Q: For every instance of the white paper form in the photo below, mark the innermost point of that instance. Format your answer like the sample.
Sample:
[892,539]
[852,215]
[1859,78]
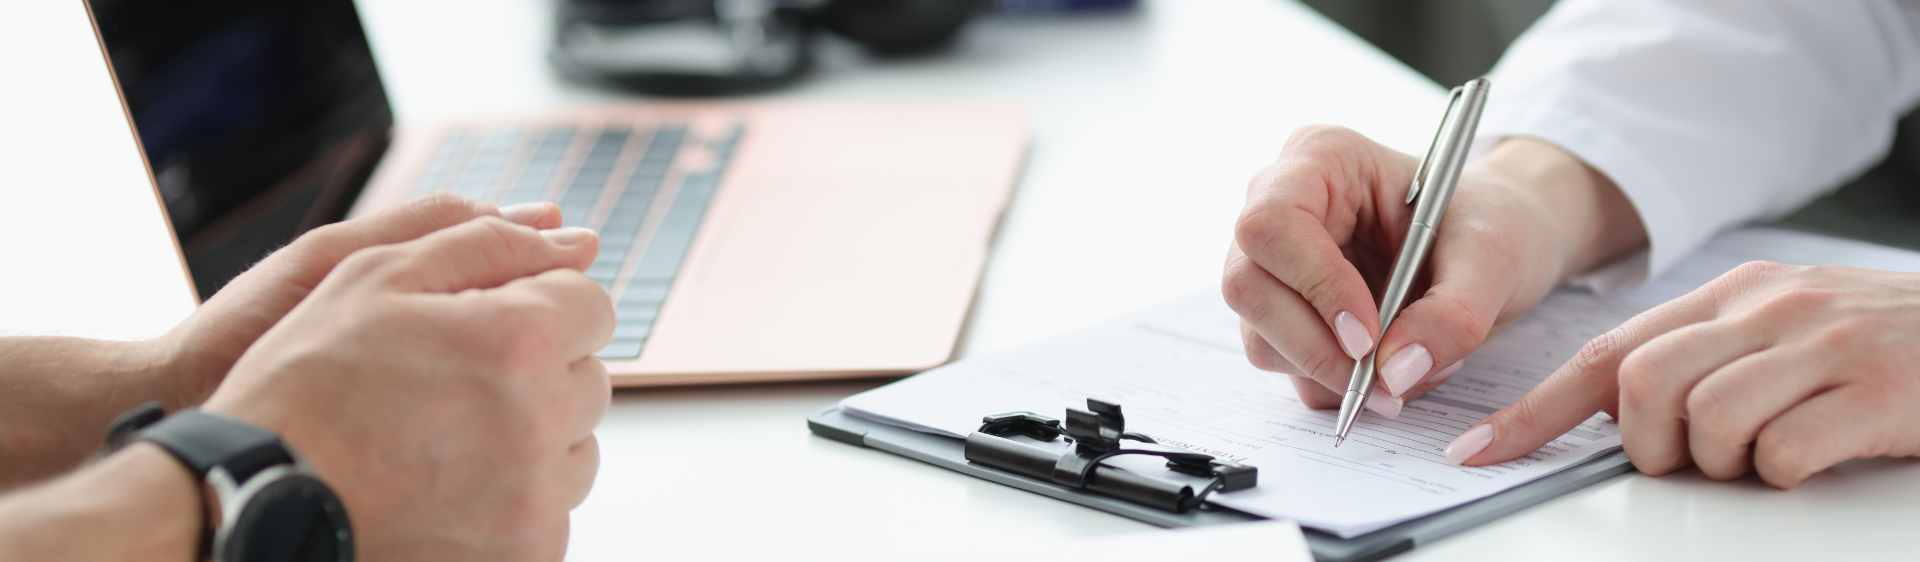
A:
[1179,372]
[1180,375]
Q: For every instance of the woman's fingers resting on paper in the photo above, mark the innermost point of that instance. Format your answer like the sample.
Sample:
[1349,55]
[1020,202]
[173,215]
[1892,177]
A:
[1780,370]
[1323,224]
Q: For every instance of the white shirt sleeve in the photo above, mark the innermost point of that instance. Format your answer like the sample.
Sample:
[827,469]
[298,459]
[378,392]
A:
[1711,113]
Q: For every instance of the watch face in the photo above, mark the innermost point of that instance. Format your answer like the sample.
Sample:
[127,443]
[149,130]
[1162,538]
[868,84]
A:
[293,518]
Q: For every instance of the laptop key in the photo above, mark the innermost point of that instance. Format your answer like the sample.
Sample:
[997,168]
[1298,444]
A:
[542,164]
[481,173]
[576,203]
[621,349]
[632,330]
[659,262]
[442,159]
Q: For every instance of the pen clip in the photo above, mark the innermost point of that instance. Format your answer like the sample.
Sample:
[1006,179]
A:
[1420,174]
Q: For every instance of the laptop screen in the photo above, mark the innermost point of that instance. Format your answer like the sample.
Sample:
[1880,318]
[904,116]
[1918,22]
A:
[260,120]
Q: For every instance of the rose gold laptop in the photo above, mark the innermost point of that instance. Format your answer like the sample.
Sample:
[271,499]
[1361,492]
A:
[740,241]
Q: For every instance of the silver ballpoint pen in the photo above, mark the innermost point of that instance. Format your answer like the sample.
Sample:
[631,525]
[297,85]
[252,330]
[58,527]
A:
[1432,189]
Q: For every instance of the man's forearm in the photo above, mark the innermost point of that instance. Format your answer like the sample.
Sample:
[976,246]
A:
[57,395]
[139,504]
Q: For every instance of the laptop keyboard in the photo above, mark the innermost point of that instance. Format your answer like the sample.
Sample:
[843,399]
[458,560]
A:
[646,188]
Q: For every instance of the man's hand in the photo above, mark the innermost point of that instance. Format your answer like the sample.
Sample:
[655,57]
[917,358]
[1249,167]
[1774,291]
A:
[1777,369]
[63,391]
[445,387]
[203,347]
[1323,226]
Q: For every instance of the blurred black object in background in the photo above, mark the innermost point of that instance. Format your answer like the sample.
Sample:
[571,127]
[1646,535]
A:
[686,47]
[720,47]
[899,27]
[232,101]
[1449,41]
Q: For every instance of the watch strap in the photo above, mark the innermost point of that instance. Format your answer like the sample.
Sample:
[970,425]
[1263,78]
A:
[202,441]
[132,421]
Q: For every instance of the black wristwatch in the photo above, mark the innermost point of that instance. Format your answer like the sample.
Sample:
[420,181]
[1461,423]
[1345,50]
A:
[263,502]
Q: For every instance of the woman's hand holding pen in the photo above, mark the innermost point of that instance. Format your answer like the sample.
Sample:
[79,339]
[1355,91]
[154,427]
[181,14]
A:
[1321,229]
[1774,369]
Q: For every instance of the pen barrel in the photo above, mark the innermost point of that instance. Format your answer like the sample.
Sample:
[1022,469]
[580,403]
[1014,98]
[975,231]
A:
[1358,382]
[1413,256]
[1351,402]
[1406,269]
[1038,462]
[1449,155]
[1435,180]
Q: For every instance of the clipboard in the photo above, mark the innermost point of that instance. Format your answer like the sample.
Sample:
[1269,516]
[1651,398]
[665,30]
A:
[949,452]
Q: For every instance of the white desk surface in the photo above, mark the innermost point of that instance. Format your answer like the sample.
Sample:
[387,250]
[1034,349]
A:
[1148,126]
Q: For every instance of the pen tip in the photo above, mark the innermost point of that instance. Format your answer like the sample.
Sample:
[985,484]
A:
[1337,439]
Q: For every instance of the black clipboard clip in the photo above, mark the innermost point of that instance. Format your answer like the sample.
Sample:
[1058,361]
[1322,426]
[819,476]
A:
[1099,433]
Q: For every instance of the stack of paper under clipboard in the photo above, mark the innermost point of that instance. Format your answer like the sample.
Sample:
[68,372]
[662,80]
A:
[1179,371]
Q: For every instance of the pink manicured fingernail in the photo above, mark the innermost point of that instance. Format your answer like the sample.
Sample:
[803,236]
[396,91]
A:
[569,236]
[1447,373]
[1352,334]
[1408,367]
[524,213]
[1387,406]
[1470,443]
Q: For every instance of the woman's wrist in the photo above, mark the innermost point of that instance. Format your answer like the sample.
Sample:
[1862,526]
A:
[1597,223]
